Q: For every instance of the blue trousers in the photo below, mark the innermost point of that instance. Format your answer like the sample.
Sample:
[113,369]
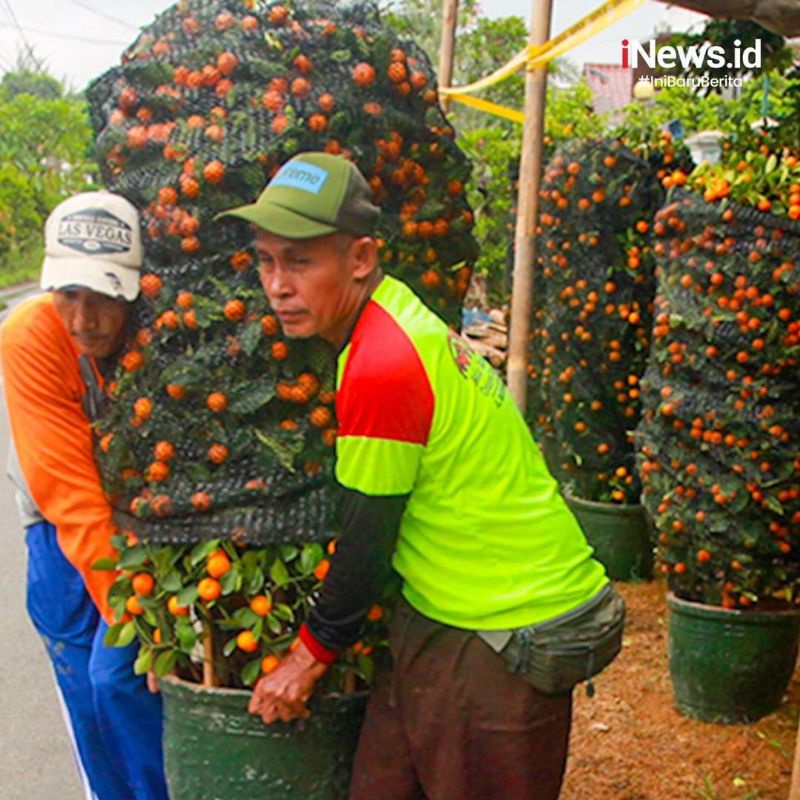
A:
[114,721]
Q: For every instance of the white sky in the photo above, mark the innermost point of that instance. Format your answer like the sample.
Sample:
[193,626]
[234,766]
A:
[79,39]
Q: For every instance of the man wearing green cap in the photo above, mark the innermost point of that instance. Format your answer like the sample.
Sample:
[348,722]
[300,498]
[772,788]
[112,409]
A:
[443,485]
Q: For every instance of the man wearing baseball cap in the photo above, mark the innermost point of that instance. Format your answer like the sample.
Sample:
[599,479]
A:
[443,485]
[56,348]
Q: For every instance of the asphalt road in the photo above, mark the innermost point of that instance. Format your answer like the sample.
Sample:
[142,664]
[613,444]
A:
[35,754]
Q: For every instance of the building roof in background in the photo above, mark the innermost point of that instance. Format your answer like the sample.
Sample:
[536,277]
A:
[611,85]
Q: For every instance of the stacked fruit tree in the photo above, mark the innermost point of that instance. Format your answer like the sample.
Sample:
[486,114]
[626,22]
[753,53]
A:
[217,447]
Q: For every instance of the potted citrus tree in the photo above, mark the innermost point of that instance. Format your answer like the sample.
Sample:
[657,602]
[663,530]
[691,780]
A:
[593,303]
[217,447]
[718,439]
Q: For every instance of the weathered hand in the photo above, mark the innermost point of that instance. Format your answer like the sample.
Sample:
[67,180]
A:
[283,693]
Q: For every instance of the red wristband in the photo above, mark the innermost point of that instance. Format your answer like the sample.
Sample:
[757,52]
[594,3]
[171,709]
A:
[319,651]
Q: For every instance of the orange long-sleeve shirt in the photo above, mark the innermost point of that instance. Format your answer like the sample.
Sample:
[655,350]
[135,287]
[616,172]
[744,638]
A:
[53,439]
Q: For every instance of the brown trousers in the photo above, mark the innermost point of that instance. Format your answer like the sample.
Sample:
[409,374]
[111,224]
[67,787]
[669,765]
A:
[451,723]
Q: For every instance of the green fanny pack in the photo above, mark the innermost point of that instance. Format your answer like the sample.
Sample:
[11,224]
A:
[555,655]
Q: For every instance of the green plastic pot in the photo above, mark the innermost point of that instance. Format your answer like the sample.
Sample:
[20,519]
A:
[620,536]
[728,665]
[215,750]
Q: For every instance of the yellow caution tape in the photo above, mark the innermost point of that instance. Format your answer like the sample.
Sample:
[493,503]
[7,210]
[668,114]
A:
[486,105]
[582,31]
[607,14]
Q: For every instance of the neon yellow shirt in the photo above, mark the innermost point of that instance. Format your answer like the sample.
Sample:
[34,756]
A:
[486,540]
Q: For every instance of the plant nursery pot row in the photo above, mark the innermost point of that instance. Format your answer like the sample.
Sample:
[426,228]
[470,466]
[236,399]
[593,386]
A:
[215,750]
[619,534]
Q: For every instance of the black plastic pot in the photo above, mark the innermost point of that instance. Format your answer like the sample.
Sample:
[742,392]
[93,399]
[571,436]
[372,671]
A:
[729,665]
[620,536]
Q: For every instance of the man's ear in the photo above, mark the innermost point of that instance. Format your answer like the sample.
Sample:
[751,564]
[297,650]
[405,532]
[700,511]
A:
[364,255]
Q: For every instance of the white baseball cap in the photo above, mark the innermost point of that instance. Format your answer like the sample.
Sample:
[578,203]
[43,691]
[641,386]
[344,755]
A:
[92,240]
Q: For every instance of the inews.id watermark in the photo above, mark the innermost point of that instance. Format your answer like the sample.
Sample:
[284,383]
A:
[738,59]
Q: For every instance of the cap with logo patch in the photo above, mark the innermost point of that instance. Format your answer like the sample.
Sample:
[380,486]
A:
[92,241]
[313,194]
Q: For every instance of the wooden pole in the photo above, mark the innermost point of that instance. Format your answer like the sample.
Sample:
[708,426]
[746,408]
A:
[447,49]
[530,169]
[209,673]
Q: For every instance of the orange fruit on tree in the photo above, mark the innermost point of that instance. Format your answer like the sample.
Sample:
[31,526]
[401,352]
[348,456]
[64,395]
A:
[157,471]
[322,569]
[269,325]
[261,605]
[150,285]
[201,501]
[209,589]
[279,350]
[175,608]
[246,640]
[214,171]
[143,408]
[218,453]
[320,417]
[176,391]
[268,664]
[235,310]
[217,402]
[227,63]
[218,564]
[132,605]
[364,74]
[143,584]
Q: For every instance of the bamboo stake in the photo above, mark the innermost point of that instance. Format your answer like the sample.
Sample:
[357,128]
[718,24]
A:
[528,209]
[447,50]
[209,673]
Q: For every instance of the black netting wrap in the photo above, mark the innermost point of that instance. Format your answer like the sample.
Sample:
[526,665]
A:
[719,436]
[217,423]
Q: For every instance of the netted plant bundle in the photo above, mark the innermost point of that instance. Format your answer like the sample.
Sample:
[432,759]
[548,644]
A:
[219,425]
[593,303]
[720,436]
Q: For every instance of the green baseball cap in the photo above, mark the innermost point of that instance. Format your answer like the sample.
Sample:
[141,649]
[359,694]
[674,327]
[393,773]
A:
[313,194]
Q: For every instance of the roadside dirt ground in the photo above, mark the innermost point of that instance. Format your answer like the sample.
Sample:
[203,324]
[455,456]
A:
[629,743]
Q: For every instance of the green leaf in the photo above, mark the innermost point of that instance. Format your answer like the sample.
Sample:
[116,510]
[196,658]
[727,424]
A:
[126,635]
[255,581]
[171,583]
[252,398]
[284,612]
[289,551]
[188,596]
[285,451]
[251,337]
[772,163]
[112,634]
[274,624]
[186,634]
[231,581]
[143,662]
[310,557]
[251,671]
[104,564]
[229,647]
[202,551]
[165,663]
[132,558]
[278,573]
[773,504]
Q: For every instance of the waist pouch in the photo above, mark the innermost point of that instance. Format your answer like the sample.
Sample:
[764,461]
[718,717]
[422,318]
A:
[556,654]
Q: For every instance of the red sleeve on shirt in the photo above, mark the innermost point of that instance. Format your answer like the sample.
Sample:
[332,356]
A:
[319,651]
[385,392]
[54,441]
